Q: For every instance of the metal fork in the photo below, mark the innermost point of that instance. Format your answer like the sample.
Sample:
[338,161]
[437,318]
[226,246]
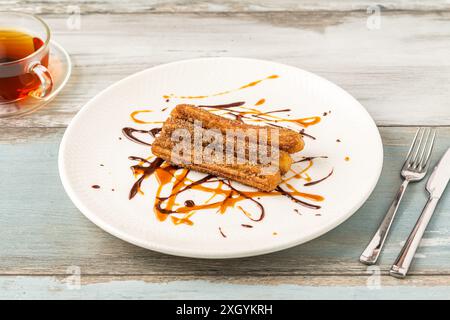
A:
[414,169]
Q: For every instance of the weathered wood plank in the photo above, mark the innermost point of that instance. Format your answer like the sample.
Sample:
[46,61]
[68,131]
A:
[139,6]
[43,233]
[147,287]
[399,72]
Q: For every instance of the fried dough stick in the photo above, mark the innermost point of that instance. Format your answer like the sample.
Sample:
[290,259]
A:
[265,177]
[289,140]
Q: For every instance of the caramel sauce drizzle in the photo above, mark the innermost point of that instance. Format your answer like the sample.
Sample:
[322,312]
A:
[144,172]
[134,116]
[245,86]
[268,116]
[260,102]
[177,179]
[135,113]
[255,115]
[223,195]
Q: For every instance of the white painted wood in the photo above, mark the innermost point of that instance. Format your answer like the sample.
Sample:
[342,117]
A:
[400,72]
[116,6]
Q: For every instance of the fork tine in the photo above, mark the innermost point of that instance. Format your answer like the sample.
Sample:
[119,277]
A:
[412,145]
[419,159]
[410,151]
[417,142]
[424,163]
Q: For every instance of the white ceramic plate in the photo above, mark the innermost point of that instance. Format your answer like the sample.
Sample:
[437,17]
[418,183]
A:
[94,152]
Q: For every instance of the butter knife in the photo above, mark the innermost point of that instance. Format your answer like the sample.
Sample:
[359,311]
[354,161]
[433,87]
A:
[435,186]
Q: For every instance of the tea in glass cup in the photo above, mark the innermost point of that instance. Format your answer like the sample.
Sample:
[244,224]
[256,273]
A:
[24,57]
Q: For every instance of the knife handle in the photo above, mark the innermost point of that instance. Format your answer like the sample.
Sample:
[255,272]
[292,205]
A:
[401,266]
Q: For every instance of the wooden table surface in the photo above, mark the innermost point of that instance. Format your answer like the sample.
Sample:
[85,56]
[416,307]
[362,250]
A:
[397,66]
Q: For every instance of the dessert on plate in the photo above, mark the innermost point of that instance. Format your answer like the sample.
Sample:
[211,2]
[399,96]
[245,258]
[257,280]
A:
[253,155]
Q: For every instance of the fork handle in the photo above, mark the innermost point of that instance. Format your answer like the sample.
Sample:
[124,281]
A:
[401,266]
[373,249]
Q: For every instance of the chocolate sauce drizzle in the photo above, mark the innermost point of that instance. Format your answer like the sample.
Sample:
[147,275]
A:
[146,168]
[275,111]
[310,158]
[224,106]
[262,118]
[129,133]
[145,171]
[260,206]
[221,232]
[189,186]
[189,203]
[237,115]
[318,181]
[303,203]
[303,133]
[134,158]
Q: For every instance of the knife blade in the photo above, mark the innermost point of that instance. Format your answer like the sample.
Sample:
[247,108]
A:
[439,178]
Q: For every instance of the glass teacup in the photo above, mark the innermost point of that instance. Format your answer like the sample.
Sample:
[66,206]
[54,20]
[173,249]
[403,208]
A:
[24,57]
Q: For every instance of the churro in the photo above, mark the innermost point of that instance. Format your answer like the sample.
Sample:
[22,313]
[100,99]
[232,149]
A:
[263,173]
[289,140]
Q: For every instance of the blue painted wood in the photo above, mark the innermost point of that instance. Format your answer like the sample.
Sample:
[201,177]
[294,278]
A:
[43,233]
[51,288]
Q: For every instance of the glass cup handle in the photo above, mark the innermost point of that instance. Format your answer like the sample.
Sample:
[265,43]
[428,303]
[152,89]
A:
[44,77]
